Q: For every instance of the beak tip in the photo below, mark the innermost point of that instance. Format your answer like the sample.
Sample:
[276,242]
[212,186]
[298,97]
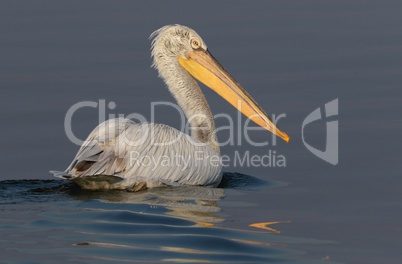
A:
[286,137]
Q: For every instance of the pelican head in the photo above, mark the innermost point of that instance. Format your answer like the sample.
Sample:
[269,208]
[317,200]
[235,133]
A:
[178,53]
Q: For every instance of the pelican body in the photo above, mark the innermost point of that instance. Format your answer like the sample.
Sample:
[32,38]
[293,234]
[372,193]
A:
[122,154]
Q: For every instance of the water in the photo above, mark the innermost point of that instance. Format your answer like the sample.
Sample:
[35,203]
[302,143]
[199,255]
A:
[45,220]
[293,57]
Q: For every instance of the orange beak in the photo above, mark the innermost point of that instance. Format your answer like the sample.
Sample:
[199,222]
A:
[205,68]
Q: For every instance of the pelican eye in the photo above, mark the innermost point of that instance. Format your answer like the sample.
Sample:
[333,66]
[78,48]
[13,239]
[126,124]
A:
[195,43]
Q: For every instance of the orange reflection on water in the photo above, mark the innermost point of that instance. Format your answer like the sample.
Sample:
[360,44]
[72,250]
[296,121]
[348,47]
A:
[266,226]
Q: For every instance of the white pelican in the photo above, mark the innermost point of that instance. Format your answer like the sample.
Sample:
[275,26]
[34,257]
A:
[122,154]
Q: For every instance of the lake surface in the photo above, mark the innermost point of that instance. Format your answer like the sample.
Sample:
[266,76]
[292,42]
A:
[293,57]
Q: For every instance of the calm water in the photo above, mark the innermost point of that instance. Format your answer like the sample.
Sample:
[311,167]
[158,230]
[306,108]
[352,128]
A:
[293,57]
[48,220]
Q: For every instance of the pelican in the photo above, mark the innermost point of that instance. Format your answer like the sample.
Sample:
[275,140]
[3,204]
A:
[122,154]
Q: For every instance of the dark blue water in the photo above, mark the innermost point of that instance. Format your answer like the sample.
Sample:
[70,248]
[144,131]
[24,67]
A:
[49,220]
[293,57]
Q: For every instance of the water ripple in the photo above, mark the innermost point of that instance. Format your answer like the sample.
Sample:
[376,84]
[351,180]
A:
[49,221]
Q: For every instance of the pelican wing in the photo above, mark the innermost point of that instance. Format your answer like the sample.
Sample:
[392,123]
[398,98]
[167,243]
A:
[138,153]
